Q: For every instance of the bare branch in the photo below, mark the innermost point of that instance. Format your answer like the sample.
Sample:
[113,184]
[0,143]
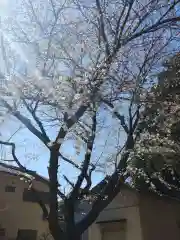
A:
[86,162]
[102,32]
[69,161]
[26,122]
[153,28]
[68,181]
[33,113]
[40,202]
[124,22]
[24,169]
[120,117]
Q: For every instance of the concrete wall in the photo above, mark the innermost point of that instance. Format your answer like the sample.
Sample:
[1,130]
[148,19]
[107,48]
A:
[148,216]
[19,214]
[160,218]
[124,206]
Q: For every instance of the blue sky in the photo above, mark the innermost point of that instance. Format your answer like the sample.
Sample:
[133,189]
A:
[33,154]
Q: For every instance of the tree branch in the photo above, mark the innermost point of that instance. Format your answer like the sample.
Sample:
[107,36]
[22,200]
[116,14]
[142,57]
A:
[24,169]
[33,114]
[102,28]
[152,28]
[105,196]
[40,202]
[125,21]
[120,117]
[86,162]
[70,161]
[26,122]
[68,181]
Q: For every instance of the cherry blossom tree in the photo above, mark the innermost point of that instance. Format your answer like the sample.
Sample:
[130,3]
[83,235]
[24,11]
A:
[63,64]
[156,156]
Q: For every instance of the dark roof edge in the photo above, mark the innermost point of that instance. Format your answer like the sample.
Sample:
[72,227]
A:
[112,221]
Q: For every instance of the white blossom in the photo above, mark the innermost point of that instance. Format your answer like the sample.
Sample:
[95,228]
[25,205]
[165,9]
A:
[77,96]
[65,127]
[89,151]
[30,186]
[60,140]
[63,97]
[50,144]
[152,186]
[78,146]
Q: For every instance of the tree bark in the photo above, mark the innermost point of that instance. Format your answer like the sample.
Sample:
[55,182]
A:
[53,219]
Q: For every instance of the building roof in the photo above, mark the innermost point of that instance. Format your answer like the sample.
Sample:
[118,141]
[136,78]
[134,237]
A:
[16,171]
[11,171]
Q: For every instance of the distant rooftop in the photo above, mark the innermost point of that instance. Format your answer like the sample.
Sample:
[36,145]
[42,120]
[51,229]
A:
[14,170]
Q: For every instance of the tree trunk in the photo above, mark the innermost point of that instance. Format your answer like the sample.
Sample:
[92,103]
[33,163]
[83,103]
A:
[53,219]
